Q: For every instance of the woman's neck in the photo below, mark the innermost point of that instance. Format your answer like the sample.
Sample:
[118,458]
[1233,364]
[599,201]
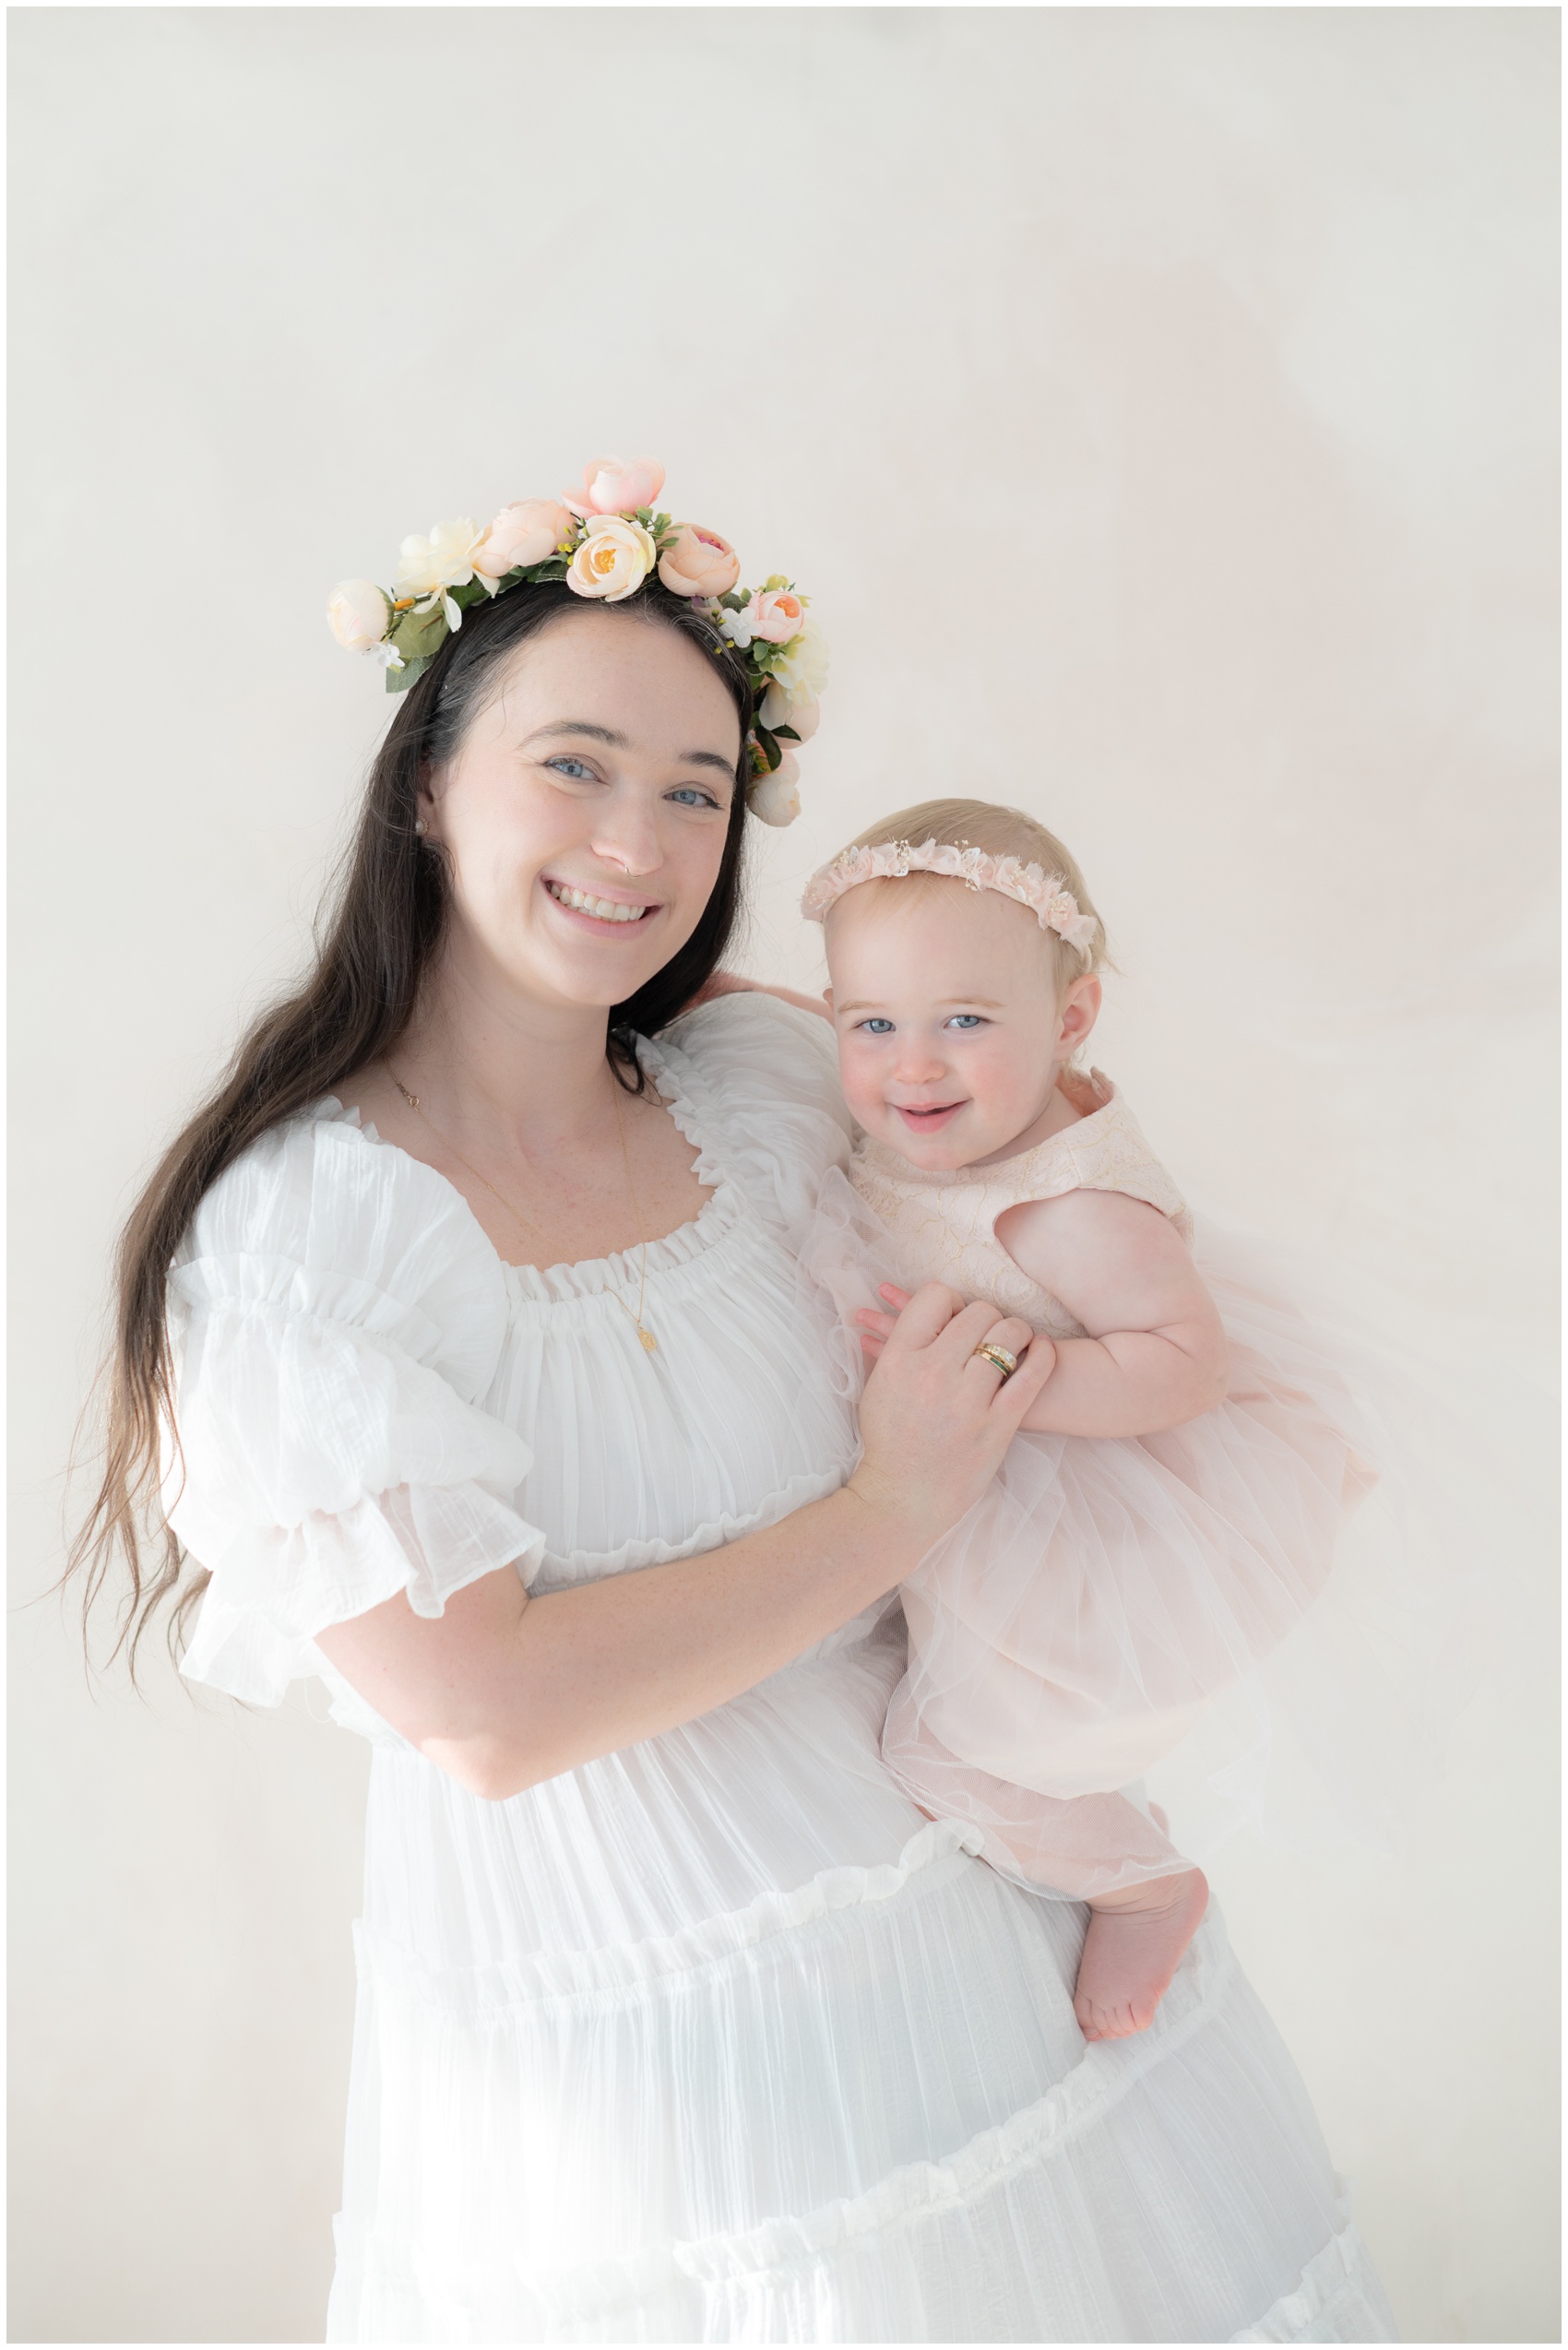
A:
[529,1075]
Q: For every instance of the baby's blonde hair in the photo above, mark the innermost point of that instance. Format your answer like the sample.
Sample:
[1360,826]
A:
[1001,832]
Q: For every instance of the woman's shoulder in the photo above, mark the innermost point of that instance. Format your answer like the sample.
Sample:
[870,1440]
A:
[759,1079]
[760,1053]
[319,1214]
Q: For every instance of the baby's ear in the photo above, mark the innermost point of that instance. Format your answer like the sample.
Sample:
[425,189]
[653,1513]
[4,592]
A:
[1080,1010]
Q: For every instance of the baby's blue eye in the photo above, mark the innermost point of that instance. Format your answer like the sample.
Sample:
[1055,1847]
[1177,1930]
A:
[965,1020]
[877,1028]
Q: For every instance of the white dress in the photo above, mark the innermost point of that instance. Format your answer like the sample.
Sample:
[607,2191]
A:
[714,2039]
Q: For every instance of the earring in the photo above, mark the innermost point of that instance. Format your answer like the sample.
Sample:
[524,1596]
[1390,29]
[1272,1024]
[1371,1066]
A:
[420,827]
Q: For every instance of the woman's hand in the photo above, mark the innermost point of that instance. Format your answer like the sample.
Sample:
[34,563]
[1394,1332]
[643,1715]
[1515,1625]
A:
[937,1417]
[502,1689]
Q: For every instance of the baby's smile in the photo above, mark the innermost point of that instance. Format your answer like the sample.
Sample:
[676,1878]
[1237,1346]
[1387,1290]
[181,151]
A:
[927,1117]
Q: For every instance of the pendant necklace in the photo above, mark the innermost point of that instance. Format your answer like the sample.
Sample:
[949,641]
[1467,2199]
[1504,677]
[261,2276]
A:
[648,1341]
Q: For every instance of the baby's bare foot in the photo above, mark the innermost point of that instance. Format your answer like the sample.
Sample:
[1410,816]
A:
[1132,1949]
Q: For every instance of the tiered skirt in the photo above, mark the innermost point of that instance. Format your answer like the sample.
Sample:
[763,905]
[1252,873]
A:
[855,2108]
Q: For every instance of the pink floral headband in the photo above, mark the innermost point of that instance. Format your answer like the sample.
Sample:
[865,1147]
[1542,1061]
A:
[604,539]
[1046,895]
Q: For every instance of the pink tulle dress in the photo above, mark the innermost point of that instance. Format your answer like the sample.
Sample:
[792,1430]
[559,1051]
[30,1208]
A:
[1111,1599]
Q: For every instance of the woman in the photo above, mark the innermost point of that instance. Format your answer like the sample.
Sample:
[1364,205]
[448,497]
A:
[497,1403]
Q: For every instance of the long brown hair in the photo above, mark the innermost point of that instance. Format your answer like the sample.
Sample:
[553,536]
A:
[381,925]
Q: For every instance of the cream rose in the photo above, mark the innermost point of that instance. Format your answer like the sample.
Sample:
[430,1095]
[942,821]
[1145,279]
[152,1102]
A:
[799,710]
[528,532]
[359,613]
[775,616]
[698,562]
[802,669]
[776,799]
[444,560]
[610,487]
[613,560]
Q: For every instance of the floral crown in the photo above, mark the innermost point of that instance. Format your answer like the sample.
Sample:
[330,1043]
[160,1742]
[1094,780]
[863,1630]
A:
[1046,895]
[604,539]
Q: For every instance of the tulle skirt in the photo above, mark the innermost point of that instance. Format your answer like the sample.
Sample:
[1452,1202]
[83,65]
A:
[1215,1610]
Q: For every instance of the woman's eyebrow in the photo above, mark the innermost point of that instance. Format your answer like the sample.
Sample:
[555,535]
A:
[579,726]
[619,741]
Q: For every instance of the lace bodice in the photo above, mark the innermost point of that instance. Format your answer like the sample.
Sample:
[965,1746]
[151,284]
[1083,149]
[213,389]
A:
[942,1224]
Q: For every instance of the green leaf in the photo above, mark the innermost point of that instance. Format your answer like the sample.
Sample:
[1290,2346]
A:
[399,680]
[734,599]
[775,583]
[420,636]
[787,734]
[770,749]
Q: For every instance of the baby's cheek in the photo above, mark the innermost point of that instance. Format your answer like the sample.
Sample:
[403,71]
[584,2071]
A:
[862,1089]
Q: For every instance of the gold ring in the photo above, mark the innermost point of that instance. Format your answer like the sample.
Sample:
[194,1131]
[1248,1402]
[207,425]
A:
[1005,1363]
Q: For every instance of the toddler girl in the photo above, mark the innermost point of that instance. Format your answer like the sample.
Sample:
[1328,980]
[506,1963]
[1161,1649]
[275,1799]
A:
[1172,1514]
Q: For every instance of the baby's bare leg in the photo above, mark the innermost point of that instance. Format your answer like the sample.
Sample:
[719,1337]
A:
[1136,1935]
[1132,1947]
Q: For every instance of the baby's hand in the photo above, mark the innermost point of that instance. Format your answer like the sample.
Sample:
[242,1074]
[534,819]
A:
[877,1328]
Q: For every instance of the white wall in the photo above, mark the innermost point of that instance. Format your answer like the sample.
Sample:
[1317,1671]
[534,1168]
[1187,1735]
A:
[1160,406]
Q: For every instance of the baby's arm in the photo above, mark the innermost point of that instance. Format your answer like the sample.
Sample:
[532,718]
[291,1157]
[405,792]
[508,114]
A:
[1156,1354]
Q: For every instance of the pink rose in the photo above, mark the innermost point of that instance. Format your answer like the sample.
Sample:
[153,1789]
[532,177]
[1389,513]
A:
[528,532]
[776,617]
[610,487]
[698,562]
[776,799]
[799,710]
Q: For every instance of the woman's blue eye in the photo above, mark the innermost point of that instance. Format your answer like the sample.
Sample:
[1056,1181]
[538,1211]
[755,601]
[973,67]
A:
[965,1020]
[692,795]
[579,766]
[877,1028]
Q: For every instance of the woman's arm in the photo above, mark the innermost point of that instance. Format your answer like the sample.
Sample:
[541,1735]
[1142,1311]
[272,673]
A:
[732,983]
[1157,1354]
[503,1690]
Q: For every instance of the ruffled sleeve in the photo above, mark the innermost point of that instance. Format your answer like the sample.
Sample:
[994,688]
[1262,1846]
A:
[763,1078]
[336,1314]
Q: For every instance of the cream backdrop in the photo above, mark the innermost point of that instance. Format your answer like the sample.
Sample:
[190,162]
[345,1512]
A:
[1160,408]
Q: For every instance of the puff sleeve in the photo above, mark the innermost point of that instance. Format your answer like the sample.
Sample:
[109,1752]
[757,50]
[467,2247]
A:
[336,1315]
[765,1076]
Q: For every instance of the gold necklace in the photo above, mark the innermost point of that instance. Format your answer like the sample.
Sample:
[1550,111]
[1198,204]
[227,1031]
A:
[649,1341]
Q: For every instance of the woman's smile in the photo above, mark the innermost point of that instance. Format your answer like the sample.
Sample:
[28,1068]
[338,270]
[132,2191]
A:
[597,909]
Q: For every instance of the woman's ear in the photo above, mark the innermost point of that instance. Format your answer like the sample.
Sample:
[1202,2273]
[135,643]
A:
[424,803]
[1080,1010]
